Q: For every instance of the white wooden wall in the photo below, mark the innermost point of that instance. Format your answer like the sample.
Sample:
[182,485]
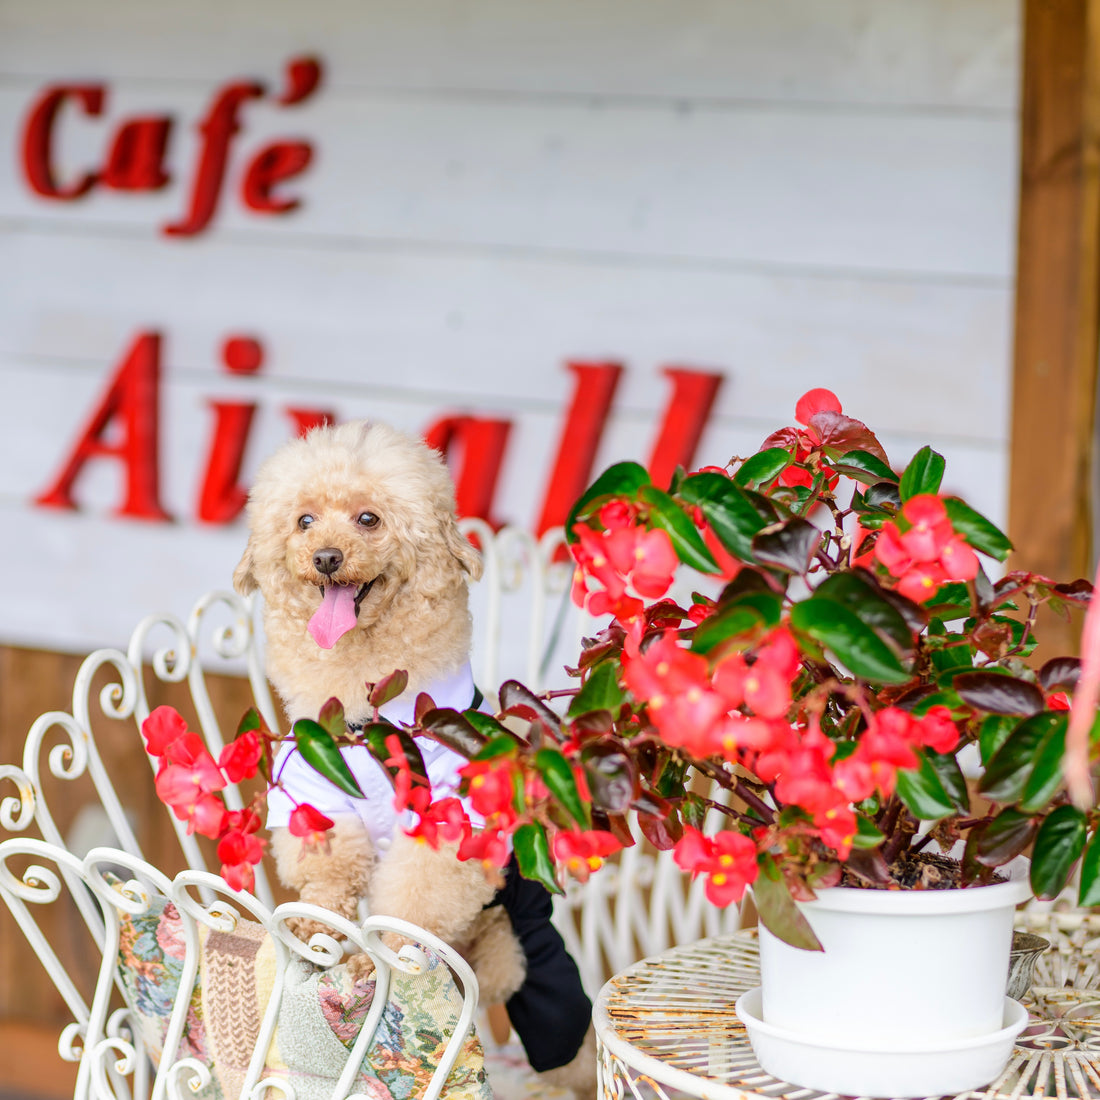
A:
[793,192]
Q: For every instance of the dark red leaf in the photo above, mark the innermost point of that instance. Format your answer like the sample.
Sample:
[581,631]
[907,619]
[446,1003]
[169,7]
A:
[868,864]
[1060,672]
[840,434]
[1078,592]
[452,729]
[661,832]
[998,694]
[611,778]
[524,703]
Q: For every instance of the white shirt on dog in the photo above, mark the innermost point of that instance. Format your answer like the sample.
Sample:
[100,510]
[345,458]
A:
[376,809]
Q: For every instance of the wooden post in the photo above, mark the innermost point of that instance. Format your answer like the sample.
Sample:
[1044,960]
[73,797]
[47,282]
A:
[1057,298]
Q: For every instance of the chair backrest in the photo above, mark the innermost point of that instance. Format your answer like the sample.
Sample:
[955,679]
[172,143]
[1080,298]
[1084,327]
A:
[525,628]
[208,991]
[638,905]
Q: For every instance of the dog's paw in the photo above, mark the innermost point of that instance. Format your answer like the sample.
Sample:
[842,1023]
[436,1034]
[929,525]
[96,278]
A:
[305,928]
[360,966]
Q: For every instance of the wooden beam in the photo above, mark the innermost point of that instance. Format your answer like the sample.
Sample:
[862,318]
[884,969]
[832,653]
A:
[32,1067]
[1057,336]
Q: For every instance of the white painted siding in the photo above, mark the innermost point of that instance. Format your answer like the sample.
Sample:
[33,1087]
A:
[795,193]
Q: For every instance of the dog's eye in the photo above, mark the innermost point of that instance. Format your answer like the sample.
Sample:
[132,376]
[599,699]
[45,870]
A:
[304,521]
[368,519]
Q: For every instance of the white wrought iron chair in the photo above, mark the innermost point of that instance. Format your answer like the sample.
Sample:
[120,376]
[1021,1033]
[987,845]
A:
[149,1036]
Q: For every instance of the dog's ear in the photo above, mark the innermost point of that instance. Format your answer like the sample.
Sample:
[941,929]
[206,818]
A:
[460,547]
[244,580]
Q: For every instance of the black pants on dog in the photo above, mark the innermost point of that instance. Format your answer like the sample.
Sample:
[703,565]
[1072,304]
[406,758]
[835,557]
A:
[550,1011]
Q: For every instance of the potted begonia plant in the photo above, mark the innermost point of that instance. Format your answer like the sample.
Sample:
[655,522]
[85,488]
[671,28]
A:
[845,652]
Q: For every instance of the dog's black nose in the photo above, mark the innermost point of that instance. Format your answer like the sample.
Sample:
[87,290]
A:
[327,561]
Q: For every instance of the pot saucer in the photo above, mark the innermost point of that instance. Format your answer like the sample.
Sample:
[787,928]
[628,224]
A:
[893,1071]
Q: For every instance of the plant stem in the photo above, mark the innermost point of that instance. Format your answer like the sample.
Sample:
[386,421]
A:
[739,788]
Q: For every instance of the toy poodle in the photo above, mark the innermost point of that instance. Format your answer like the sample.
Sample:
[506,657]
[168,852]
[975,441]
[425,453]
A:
[354,546]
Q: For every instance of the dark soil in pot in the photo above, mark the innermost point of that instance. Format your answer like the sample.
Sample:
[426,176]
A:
[916,871]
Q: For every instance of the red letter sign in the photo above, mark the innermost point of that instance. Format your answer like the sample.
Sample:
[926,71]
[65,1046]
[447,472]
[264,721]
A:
[132,402]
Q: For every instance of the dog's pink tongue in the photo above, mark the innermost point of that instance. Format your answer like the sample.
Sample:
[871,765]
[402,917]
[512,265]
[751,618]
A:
[335,617]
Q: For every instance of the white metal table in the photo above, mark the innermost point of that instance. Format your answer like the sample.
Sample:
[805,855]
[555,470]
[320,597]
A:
[666,1026]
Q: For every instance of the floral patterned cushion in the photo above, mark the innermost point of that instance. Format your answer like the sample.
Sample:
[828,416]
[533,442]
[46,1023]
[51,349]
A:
[319,1016]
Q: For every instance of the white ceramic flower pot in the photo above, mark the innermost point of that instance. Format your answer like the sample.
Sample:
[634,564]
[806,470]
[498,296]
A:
[901,970]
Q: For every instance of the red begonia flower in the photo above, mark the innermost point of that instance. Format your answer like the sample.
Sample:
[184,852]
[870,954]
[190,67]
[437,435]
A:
[183,784]
[239,876]
[486,845]
[206,815]
[444,822]
[937,730]
[958,560]
[836,826]
[921,581]
[310,824]
[1058,700]
[891,551]
[238,850]
[676,688]
[240,759]
[491,785]
[727,859]
[581,852]
[814,401]
[163,726]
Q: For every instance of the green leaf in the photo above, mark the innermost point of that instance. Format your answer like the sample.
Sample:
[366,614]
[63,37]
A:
[868,835]
[946,766]
[665,513]
[533,855]
[977,530]
[728,509]
[503,745]
[376,734]
[601,691]
[789,547]
[762,467]
[488,726]
[251,720]
[322,754]
[853,642]
[777,909]
[998,694]
[953,660]
[923,474]
[731,622]
[993,733]
[952,601]
[1004,838]
[1046,776]
[1089,891]
[624,479]
[1057,848]
[864,467]
[557,774]
[924,792]
[883,496]
[1009,770]
[862,596]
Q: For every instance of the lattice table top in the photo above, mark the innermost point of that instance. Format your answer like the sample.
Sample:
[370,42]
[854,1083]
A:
[667,1025]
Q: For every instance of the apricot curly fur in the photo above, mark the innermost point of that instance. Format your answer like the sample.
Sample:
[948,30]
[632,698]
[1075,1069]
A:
[416,617]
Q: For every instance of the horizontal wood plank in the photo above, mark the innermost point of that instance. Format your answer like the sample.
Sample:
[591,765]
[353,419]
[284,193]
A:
[921,193]
[940,52]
